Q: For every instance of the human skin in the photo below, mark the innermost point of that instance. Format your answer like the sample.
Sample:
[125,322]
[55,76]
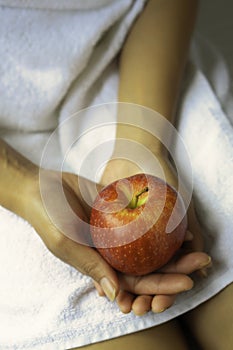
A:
[20,193]
[19,189]
[149,87]
[19,181]
[152,64]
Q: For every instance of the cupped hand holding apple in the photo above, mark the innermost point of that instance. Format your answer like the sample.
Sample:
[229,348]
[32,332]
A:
[138,223]
[140,294]
[157,291]
[52,203]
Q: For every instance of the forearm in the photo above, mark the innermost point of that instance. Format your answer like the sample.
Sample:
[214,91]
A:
[15,170]
[154,55]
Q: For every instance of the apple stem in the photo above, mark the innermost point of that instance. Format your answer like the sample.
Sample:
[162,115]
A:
[136,202]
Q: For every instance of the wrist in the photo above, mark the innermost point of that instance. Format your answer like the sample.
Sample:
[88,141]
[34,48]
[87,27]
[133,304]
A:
[122,167]
[140,136]
[16,174]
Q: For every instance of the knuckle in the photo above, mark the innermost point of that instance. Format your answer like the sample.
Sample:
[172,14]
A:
[62,247]
[57,243]
[89,268]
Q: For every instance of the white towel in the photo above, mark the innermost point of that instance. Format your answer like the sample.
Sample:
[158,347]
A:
[44,303]
[48,53]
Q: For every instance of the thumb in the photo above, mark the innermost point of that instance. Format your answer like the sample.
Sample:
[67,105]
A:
[89,262]
[197,243]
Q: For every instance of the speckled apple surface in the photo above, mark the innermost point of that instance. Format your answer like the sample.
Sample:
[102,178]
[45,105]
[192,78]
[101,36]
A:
[135,240]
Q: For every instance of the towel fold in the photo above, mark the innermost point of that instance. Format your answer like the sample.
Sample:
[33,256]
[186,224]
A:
[57,5]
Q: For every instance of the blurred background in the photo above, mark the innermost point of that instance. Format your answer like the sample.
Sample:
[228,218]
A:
[213,50]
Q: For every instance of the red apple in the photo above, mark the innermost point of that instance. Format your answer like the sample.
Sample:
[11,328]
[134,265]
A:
[138,223]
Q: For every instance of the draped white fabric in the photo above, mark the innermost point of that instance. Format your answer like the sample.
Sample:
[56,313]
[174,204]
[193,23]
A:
[58,57]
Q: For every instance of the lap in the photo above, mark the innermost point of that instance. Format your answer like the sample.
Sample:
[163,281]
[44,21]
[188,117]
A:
[149,339]
[211,322]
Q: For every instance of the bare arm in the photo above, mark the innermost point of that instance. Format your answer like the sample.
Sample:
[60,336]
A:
[154,56]
[15,171]
[152,63]
[142,81]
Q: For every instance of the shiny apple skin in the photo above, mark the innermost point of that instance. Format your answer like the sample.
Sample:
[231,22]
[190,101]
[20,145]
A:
[135,241]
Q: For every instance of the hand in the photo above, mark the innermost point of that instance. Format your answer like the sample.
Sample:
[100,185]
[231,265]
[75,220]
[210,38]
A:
[59,229]
[52,203]
[157,291]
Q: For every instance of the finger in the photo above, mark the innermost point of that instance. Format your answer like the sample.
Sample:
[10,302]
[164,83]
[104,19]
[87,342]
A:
[157,283]
[188,263]
[161,303]
[203,273]
[188,236]
[142,304]
[89,262]
[99,289]
[197,243]
[125,301]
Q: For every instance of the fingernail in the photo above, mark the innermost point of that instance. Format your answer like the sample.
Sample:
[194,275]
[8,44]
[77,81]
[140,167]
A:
[140,314]
[188,288]
[159,311]
[203,273]
[108,288]
[206,263]
[188,236]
